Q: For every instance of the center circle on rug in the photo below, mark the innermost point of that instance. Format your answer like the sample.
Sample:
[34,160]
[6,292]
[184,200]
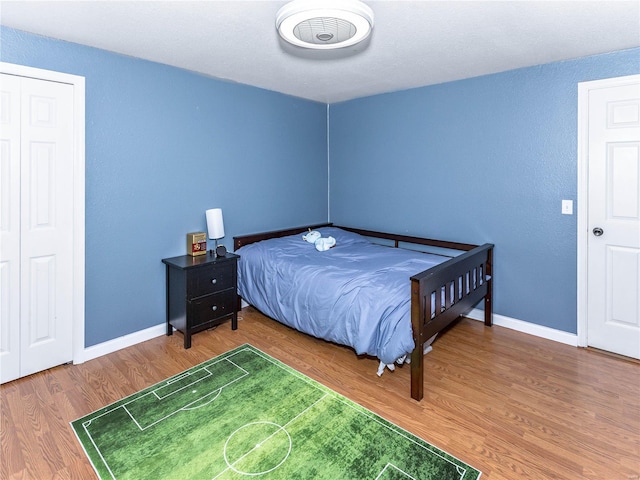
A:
[257,448]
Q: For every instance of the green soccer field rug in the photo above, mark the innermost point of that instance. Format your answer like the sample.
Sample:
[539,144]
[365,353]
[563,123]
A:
[245,415]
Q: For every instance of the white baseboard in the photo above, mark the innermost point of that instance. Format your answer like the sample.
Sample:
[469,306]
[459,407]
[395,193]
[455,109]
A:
[476,314]
[119,343]
[526,327]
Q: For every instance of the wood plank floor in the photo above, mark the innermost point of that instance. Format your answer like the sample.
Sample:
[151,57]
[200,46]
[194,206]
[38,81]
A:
[512,405]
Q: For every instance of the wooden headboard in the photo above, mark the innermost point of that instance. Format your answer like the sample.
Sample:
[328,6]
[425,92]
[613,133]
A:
[243,240]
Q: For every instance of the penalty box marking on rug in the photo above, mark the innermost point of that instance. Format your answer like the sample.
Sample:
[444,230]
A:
[391,471]
[185,392]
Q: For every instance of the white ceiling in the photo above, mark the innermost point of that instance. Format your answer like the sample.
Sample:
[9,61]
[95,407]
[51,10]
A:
[414,43]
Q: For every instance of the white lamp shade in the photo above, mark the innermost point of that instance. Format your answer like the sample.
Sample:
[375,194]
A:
[215,225]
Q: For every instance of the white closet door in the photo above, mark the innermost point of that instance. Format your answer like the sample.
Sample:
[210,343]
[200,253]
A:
[44,193]
[9,227]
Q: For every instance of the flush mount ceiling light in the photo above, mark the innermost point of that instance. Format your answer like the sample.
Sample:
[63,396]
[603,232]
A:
[324,24]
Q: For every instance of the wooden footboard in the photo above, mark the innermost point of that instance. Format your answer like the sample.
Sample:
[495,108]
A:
[439,295]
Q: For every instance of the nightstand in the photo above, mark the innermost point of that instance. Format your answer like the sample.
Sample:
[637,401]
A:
[201,293]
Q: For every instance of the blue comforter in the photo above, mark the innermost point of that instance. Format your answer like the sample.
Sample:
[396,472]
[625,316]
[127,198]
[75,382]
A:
[357,293]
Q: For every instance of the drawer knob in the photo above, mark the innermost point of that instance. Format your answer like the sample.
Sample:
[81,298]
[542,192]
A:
[214,308]
[214,281]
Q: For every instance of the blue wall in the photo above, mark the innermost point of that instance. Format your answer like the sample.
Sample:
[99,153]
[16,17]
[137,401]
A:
[481,160]
[162,146]
[487,159]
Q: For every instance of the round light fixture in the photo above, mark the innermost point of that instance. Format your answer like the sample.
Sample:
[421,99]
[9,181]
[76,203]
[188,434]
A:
[324,24]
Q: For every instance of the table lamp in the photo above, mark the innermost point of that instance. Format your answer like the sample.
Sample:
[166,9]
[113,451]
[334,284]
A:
[215,227]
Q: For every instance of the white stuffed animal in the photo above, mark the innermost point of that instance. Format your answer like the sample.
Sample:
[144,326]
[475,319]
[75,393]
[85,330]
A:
[321,244]
[324,244]
[311,236]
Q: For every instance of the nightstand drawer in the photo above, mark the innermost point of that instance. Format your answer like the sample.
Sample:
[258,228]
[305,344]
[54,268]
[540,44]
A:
[211,279]
[212,307]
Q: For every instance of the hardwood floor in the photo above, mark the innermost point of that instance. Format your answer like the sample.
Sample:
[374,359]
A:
[512,405]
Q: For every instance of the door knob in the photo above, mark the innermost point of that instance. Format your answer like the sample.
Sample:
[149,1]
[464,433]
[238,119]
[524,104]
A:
[598,231]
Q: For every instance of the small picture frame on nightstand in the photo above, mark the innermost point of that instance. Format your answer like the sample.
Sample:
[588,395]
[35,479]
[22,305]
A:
[196,243]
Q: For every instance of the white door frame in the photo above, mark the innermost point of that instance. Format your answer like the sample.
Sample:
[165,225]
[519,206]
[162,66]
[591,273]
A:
[583,192]
[78,84]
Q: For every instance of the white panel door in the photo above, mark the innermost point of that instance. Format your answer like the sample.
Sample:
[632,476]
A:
[613,304]
[43,190]
[9,227]
[46,225]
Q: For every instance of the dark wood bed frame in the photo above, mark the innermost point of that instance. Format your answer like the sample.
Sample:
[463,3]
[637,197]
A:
[463,281]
